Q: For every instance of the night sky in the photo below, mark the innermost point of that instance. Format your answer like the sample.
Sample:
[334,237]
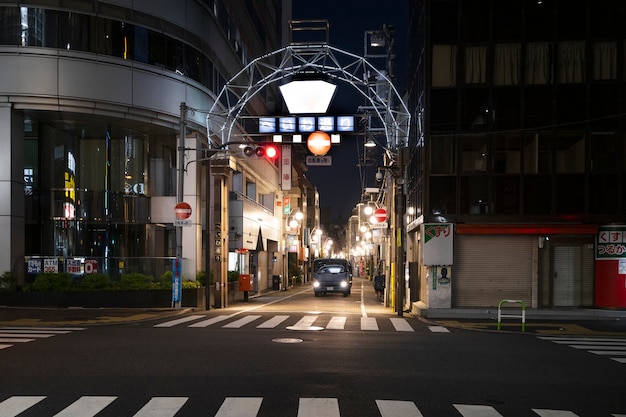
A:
[340,185]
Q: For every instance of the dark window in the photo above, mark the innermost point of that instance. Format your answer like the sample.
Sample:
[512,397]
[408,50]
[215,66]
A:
[443,195]
[571,19]
[537,194]
[506,194]
[75,32]
[603,190]
[442,155]
[443,110]
[539,19]
[507,154]
[443,21]
[603,106]
[537,154]
[475,15]
[507,108]
[603,24]
[474,194]
[538,106]
[507,23]
[473,151]
[570,194]
[475,111]
[569,151]
[11,32]
[603,152]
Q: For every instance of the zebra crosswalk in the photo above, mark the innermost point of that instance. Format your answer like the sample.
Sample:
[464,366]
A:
[306,322]
[613,348]
[10,336]
[89,406]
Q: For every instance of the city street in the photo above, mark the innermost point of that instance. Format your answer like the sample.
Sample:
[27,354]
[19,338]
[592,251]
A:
[292,354]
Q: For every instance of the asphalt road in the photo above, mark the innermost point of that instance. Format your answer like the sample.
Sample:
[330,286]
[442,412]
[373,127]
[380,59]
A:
[291,354]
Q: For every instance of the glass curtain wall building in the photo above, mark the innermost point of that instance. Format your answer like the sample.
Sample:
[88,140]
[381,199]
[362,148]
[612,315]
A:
[90,100]
[519,146]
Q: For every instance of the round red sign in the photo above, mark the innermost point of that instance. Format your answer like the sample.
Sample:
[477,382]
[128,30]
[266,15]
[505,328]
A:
[182,210]
[318,143]
[380,215]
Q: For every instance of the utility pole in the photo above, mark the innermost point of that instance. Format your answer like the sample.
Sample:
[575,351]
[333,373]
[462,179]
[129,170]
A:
[176,283]
[400,235]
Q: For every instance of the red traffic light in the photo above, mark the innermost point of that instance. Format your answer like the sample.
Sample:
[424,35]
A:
[271,152]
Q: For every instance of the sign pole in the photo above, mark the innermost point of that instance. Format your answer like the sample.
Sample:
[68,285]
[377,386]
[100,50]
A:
[181,184]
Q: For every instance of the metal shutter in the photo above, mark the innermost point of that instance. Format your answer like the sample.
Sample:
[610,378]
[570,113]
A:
[490,268]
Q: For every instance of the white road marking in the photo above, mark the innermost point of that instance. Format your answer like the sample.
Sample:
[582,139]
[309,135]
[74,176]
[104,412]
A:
[176,322]
[318,407]
[240,407]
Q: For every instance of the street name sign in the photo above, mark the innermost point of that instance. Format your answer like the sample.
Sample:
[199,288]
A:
[319,160]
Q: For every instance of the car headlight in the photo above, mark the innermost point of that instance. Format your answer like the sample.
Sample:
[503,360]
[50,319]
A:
[316,284]
[344,284]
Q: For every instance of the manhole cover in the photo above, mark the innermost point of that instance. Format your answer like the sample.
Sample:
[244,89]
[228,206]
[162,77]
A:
[287,340]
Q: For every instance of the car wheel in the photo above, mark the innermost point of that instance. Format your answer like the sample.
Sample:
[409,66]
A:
[347,293]
[317,294]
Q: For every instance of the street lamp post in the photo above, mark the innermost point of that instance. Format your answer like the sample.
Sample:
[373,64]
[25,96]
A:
[400,237]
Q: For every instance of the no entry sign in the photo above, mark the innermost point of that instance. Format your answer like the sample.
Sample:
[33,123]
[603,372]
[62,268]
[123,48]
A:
[380,215]
[182,211]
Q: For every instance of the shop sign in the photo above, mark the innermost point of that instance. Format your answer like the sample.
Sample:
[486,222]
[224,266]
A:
[611,242]
[438,239]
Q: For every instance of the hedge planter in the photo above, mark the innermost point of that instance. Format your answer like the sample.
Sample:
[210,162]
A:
[191,297]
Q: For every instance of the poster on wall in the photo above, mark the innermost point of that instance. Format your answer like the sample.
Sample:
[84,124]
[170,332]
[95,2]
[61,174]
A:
[438,244]
[611,243]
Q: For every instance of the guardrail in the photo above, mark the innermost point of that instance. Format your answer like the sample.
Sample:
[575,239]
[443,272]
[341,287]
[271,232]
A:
[522,315]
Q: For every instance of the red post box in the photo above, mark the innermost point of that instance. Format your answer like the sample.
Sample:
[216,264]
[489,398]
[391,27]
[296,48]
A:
[245,284]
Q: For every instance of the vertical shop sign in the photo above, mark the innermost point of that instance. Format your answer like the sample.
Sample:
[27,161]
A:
[285,168]
[438,244]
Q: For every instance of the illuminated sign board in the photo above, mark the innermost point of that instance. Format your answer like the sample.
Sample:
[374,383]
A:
[267,125]
[345,123]
[306,124]
[287,124]
[326,123]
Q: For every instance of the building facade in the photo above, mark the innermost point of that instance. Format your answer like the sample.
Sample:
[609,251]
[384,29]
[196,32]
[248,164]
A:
[518,148]
[90,112]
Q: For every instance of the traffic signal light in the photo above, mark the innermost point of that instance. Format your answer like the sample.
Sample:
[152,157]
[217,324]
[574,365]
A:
[271,152]
[268,151]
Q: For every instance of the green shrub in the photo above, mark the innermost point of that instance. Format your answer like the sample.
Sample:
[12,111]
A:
[137,281]
[190,284]
[50,281]
[7,282]
[233,276]
[94,282]
[165,281]
[200,278]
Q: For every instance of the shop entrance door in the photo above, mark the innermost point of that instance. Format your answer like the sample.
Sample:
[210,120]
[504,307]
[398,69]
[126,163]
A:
[566,276]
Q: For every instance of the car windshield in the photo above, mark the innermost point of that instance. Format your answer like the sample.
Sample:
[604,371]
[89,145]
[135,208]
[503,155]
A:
[331,269]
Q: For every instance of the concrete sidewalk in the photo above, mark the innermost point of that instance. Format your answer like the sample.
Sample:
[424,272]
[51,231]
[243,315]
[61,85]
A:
[45,317]
[561,321]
